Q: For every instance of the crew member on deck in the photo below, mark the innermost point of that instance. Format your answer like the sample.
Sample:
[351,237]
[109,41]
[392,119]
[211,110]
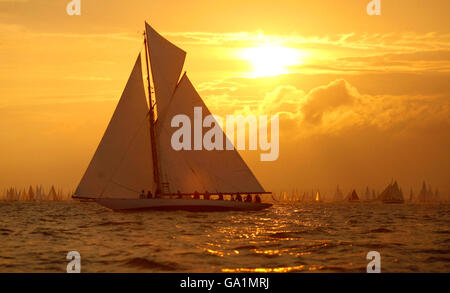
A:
[238,197]
[196,195]
[248,198]
[149,194]
[207,195]
[142,195]
[179,194]
[257,198]
[220,196]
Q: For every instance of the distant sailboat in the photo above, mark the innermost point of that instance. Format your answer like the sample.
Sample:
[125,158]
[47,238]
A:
[338,196]
[318,197]
[426,194]
[52,194]
[353,197]
[367,194]
[436,195]
[31,194]
[135,153]
[392,194]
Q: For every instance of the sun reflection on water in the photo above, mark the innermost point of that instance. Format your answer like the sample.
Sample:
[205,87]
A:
[265,270]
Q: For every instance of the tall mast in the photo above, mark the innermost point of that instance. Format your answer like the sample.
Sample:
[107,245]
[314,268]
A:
[152,121]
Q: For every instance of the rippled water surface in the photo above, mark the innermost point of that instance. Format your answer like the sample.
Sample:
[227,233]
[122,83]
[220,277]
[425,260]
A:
[35,237]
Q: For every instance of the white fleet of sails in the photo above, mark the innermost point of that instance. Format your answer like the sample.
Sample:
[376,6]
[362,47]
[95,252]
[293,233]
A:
[37,193]
[392,193]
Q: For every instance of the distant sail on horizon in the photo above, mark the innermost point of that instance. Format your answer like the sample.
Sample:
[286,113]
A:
[338,196]
[353,196]
[392,194]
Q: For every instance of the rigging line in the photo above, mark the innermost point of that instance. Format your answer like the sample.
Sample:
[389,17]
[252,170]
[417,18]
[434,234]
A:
[162,118]
[125,153]
[217,177]
[192,169]
[184,158]
[124,187]
[153,144]
[246,167]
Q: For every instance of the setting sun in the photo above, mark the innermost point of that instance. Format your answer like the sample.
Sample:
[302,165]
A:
[270,60]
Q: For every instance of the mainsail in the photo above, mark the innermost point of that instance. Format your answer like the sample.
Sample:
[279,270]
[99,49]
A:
[215,171]
[122,165]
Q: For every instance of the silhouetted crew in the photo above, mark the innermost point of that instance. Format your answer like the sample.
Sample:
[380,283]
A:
[238,197]
[220,196]
[207,195]
[196,195]
[248,198]
[142,195]
[179,194]
[149,194]
[257,198]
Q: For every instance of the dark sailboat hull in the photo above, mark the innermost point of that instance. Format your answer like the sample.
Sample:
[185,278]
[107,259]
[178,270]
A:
[393,201]
[168,204]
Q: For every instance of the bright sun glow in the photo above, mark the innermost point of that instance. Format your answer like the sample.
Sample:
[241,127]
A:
[272,60]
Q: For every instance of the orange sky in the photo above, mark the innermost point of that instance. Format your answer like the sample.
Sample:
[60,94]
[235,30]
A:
[365,100]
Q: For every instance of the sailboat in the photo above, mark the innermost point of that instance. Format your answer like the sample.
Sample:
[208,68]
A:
[338,196]
[392,194]
[135,158]
[318,197]
[353,197]
[367,194]
[426,194]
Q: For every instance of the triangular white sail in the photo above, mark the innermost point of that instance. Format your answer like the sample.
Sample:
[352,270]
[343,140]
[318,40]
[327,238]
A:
[186,171]
[122,165]
[167,62]
[52,194]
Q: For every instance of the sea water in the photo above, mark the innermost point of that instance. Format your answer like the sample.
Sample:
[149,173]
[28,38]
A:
[322,237]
